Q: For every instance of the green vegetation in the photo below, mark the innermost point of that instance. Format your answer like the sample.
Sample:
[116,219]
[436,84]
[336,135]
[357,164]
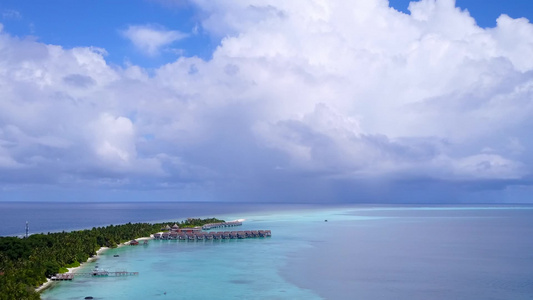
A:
[26,263]
[74,264]
[198,222]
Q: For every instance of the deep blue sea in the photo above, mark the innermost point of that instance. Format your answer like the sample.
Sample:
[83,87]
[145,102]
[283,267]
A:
[59,216]
[361,252]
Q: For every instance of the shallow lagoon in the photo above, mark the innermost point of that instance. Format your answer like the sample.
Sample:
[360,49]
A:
[360,253]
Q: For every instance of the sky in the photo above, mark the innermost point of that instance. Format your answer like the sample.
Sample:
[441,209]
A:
[316,101]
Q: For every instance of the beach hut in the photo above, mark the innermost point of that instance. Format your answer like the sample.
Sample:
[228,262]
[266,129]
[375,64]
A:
[175,227]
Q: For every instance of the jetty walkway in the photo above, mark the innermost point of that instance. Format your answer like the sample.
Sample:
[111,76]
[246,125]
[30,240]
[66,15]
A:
[221,224]
[70,276]
[220,235]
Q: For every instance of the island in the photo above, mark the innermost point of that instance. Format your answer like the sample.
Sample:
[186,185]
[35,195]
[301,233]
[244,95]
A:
[26,263]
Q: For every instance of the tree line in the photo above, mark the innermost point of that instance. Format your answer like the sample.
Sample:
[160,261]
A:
[26,263]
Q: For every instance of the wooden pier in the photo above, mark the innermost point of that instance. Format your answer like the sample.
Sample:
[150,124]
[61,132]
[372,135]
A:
[96,273]
[220,235]
[221,224]
[107,274]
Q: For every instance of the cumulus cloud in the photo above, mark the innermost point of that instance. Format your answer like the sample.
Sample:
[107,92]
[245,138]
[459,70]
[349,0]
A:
[149,39]
[113,138]
[301,99]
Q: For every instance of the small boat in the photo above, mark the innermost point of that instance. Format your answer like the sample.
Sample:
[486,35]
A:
[116,255]
[99,273]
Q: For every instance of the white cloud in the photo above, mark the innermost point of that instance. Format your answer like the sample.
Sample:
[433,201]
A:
[325,90]
[11,14]
[113,138]
[150,39]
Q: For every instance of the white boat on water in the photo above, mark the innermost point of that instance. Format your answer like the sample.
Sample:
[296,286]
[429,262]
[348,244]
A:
[99,273]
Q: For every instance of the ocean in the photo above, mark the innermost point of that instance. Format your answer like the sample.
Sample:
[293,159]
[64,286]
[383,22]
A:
[361,252]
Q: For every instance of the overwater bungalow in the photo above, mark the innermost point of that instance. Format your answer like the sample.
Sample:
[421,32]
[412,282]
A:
[197,235]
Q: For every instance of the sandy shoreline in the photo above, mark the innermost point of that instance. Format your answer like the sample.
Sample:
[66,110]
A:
[49,282]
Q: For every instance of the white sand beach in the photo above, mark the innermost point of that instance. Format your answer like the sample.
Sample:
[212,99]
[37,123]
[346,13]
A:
[49,282]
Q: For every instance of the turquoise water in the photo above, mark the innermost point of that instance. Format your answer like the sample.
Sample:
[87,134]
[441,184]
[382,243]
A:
[359,253]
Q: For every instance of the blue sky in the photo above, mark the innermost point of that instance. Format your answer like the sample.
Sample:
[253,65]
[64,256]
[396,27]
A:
[99,24]
[87,23]
[266,100]
[485,12]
